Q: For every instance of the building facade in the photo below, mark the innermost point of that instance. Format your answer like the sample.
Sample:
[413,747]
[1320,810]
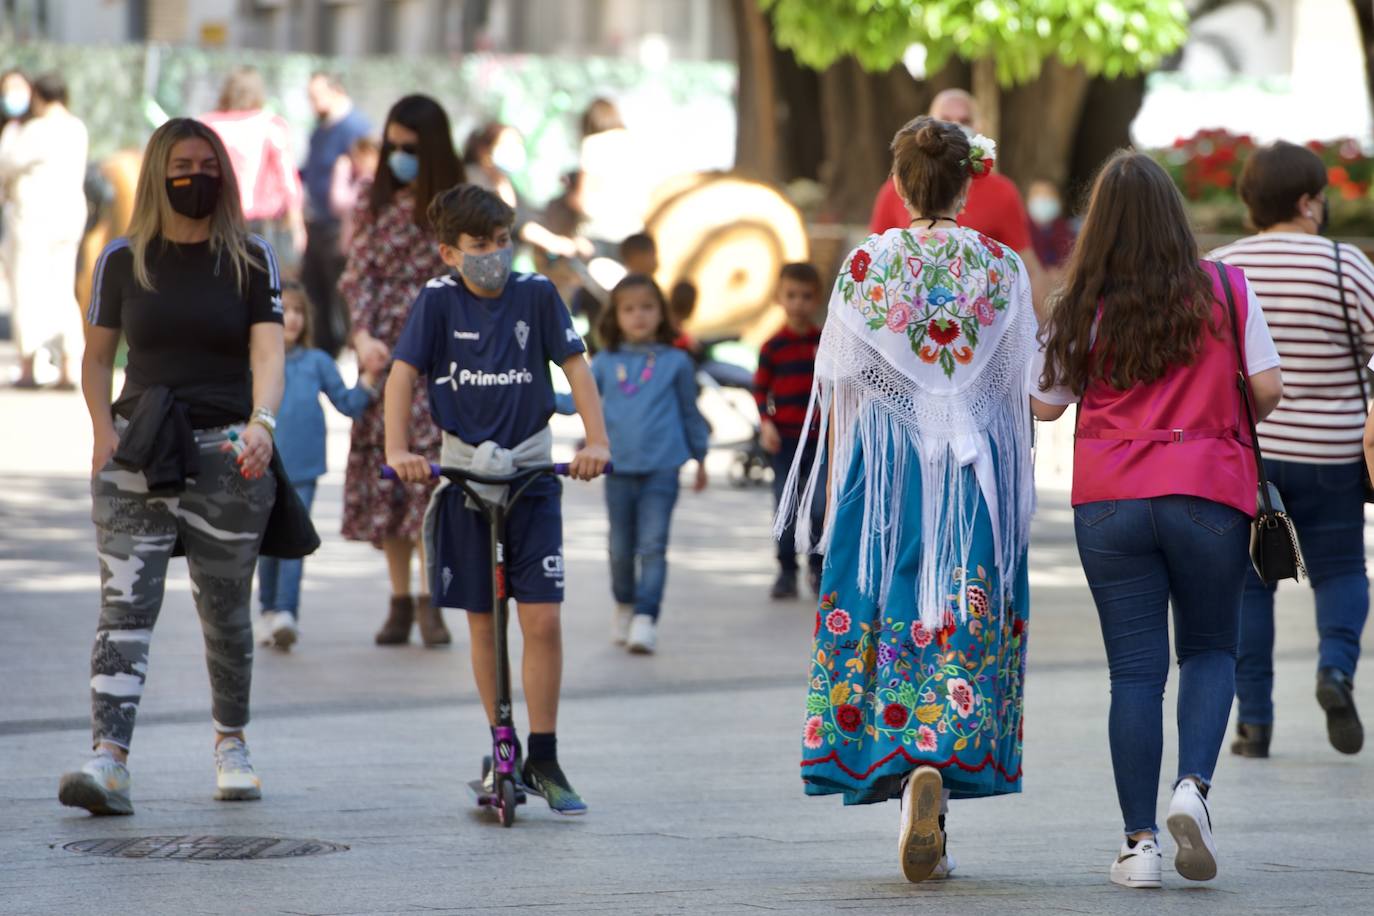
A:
[657,29]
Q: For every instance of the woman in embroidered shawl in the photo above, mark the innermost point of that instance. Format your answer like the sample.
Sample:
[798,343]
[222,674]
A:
[922,395]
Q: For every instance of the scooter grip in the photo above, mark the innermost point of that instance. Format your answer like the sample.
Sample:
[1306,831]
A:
[389,473]
[562,468]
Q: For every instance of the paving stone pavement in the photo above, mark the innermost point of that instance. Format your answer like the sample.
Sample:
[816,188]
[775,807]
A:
[688,759]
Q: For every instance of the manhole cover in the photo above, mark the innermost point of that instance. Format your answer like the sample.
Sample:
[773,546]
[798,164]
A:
[204,847]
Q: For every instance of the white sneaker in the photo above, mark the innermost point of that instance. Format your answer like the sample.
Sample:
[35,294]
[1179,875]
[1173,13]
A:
[643,635]
[101,786]
[234,776]
[620,623]
[262,627]
[1139,865]
[945,867]
[285,632]
[1191,825]
[921,842]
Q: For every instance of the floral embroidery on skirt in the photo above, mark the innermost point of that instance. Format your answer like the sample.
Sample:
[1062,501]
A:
[888,694]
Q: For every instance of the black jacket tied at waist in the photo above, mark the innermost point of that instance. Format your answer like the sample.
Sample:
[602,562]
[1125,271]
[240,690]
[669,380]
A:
[160,442]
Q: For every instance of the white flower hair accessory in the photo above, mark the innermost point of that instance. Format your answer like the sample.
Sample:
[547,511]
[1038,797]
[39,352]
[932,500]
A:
[982,154]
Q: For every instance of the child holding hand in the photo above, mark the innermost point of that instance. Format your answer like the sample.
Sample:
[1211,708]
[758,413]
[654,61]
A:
[300,440]
[483,339]
[649,389]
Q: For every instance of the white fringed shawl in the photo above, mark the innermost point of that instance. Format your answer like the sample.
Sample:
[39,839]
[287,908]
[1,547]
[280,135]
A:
[924,364]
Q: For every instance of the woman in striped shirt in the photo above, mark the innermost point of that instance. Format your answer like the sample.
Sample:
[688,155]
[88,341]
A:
[1322,320]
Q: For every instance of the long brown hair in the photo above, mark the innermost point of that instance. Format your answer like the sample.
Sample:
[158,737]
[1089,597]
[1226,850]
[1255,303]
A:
[440,167]
[608,327]
[1136,264]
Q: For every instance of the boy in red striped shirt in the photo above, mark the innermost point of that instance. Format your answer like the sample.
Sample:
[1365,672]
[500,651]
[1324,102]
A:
[782,390]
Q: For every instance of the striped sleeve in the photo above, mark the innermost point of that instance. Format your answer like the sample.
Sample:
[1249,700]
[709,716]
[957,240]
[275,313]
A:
[264,291]
[106,287]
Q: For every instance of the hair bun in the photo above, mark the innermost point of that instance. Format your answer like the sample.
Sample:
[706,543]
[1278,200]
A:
[932,140]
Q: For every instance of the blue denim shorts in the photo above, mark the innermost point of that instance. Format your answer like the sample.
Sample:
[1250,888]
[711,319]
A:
[461,577]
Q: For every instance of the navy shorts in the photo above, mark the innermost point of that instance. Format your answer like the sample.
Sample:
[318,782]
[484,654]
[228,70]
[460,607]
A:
[534,550]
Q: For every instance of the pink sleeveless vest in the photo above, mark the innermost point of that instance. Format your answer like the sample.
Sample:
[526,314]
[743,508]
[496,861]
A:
[1185,434]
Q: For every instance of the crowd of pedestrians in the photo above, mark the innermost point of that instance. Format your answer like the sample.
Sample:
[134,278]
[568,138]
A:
[900,423]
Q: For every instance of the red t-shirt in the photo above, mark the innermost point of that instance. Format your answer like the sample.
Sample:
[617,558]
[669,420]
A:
[994,208]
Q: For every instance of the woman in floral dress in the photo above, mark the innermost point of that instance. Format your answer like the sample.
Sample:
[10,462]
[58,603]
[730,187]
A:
[392,256]
[922,395]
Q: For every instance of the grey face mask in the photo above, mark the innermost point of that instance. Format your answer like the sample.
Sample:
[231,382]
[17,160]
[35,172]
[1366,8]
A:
[488,271]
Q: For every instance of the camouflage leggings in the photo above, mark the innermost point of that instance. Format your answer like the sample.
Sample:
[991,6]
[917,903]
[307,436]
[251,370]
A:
[220,518]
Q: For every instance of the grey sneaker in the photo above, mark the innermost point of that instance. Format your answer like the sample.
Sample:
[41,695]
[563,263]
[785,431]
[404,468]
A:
[101,787]
[234,776]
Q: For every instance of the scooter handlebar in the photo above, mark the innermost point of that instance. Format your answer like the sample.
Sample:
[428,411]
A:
[560,469]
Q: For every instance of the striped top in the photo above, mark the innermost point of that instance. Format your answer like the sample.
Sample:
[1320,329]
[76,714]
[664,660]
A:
[1321,417]
[782,383]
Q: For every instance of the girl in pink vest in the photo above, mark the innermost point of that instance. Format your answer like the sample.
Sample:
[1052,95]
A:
[1164,486]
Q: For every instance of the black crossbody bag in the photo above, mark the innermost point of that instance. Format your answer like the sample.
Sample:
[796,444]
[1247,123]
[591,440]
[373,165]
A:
[1351,337]
[1273,539]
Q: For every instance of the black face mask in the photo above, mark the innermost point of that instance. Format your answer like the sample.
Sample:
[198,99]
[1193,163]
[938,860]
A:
[194,196]
[1324,222]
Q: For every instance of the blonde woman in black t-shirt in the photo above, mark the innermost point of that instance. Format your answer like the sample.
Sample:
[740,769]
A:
[183,454]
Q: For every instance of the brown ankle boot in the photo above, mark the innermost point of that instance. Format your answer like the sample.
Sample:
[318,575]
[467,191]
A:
[431,621]
[396,630]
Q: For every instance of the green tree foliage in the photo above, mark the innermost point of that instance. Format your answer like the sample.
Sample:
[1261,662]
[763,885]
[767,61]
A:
[1107,37]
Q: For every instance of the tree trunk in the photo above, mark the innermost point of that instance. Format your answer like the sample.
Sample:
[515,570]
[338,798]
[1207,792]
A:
[1103,128]
[1364,17]
[1039,123]
[859,113]
[988,93]
[756,136]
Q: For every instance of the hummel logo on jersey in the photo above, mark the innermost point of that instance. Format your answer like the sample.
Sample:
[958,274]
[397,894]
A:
[467,335]
[522,333]
[441,282]
[571,335]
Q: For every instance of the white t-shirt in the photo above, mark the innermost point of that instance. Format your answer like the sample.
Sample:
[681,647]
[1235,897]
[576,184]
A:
[1260,354]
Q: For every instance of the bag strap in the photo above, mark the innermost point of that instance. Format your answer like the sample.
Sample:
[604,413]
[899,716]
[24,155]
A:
[1243,383]
[1349,324]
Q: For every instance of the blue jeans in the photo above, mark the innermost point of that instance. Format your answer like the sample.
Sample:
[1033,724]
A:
[641,510]
[279,581]
[787,543]
[1326,503]
[1138,554]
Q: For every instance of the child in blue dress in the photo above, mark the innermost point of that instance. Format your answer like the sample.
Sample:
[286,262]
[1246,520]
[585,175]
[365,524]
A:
[300,441]
[648,387]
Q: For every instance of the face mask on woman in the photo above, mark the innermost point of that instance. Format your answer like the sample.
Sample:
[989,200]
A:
[1043,210]
[405,167]
[194,196]
[488,271]
[16,103]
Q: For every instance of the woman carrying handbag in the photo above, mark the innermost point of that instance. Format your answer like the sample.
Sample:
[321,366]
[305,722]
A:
[1164,486]
[1319,298]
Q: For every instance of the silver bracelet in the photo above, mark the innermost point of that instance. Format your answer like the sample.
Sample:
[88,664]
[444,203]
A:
[265,417]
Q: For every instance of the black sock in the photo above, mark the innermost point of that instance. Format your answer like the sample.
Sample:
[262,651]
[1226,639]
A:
[543,746]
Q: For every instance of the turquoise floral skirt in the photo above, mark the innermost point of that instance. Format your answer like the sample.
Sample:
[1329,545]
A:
[888,695]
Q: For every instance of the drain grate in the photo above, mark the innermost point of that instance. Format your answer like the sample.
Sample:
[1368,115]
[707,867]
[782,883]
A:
[202,848]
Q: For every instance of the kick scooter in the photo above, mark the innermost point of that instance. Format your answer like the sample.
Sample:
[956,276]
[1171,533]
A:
[504,792]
